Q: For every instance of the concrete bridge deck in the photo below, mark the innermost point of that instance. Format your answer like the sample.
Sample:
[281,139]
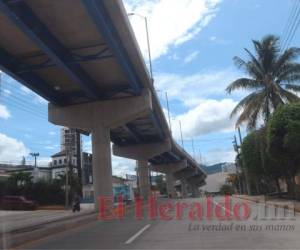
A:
[82,56]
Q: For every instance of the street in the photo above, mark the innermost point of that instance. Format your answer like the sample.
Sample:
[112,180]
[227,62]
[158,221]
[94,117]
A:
[131,233]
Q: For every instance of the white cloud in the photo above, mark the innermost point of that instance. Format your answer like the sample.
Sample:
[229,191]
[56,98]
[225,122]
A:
[6,92]
[212,38]
[192,56]
[193,88]
[11,149]
[209,116]
[43,161]
[122,166]
[170,22]
[4,113]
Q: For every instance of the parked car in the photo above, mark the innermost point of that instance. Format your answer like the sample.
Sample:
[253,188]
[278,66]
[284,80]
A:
[12,202]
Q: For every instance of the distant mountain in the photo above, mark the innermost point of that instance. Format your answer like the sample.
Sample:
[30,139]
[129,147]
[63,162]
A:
[216,168]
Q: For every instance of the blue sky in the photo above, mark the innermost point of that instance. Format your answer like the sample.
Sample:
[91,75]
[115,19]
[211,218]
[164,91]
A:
[193,43]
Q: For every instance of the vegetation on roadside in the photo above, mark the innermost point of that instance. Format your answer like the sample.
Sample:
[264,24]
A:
[43,192]
[271,150]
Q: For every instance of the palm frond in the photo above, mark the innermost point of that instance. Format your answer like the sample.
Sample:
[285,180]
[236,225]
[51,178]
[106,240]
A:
[286,57]
[244,83]
[251,98]
[292,87]
[256,64]
[289,96]
[287,72]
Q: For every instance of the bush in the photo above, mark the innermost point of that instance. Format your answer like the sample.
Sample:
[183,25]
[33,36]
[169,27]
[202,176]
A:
[226,189]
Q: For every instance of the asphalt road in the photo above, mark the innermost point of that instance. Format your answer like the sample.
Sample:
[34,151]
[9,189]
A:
[261,232]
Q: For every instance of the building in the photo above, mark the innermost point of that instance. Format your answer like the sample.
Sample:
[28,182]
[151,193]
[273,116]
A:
[71,156]
[38,173]
[217,176]
[70,138]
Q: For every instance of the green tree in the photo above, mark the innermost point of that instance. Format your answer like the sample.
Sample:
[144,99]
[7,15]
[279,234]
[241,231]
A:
[226,189]
[271,76]
[252,160]
[263,171]
[20,179]
[284,141]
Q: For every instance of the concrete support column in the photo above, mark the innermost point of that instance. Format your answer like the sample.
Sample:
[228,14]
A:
[195,191]
[102,170]
[184,192]
[144,182]
[170,185]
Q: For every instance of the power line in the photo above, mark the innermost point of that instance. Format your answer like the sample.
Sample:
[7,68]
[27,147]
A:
[290,18]
[26,105]
[24,109]
[291,25]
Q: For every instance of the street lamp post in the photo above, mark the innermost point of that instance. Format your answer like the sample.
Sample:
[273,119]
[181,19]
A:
[35,171]
[35,155]
[148,40]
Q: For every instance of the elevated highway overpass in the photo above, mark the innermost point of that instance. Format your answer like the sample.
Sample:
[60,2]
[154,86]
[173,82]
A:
[82,56]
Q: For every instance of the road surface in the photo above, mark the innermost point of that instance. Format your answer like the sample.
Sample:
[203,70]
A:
[261,232]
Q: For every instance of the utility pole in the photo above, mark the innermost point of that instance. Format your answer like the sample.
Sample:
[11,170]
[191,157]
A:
[200,157]
[78,158]
[148,41]
[193,148]
[240,135]
[169,112]
[181,134]
[69,142]
[236,149]
[243,165]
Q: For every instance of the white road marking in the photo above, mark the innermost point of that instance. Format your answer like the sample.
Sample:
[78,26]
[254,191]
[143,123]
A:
[131,239]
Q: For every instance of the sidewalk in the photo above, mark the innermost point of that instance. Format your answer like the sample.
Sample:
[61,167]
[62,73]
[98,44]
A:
[289,204]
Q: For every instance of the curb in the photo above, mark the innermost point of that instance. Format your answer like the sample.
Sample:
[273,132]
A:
[296,209]
[21,236]
[25,235]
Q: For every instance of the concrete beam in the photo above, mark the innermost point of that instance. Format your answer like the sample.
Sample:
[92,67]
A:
[110,113]
[197,179]
[170,167]
[142,151]
[185,174]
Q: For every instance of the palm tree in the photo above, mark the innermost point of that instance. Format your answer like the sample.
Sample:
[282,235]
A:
[271,78]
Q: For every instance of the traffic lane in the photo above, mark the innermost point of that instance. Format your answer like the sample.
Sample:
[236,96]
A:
[208,234]
[110,234]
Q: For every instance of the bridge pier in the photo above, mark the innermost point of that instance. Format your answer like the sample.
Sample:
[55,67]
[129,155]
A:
[98,118]
[102,168]
[184,192]
[195,191]
[170,185]
[170,169]
[142,153]
[144,180]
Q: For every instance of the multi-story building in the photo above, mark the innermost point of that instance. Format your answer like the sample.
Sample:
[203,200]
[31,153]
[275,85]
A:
[72,157]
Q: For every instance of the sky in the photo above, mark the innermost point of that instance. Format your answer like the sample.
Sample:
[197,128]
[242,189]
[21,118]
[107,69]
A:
[192,45]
